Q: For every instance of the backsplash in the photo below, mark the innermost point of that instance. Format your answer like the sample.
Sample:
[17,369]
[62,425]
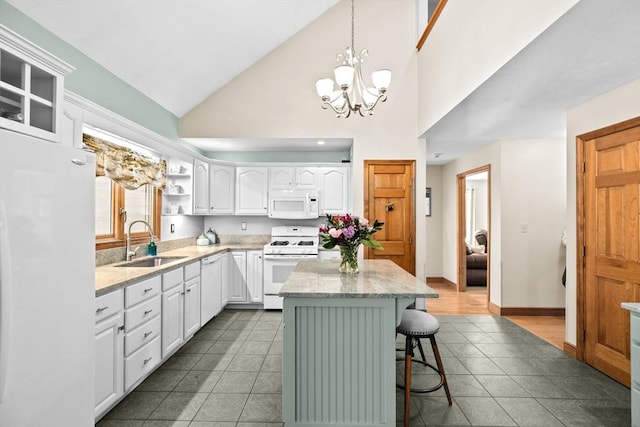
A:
[111,256]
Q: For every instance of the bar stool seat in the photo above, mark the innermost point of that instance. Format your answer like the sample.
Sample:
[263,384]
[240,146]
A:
[416,324]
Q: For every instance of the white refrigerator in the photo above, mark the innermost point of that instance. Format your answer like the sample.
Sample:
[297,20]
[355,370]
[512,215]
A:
[47,289]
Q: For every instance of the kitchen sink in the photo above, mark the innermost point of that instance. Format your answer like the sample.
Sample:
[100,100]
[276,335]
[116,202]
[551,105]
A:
[151,261]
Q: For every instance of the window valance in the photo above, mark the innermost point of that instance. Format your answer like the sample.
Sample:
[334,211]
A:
[124,166]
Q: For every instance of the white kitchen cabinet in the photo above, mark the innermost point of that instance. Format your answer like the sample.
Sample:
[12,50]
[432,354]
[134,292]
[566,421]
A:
[191,307]
[225,262]
[109,345]
[200,187]
[635,367]
[142,335]
[255,292]
[211,285]
[172,311]
[32,87]
[238,277]
[293,178]
[251,190]
[334,190]
[221,189]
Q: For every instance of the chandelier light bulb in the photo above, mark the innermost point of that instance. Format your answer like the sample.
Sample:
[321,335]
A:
[324,87]
[344,76]
[381,79]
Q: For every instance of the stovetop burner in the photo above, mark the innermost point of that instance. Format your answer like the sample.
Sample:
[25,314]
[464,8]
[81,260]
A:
[306,243]
[280,243]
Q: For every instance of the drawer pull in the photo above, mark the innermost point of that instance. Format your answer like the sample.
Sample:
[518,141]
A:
[101,309]
[121,328]
[146,334]
[147,360]
[147,312]
[188,290]
[148,290]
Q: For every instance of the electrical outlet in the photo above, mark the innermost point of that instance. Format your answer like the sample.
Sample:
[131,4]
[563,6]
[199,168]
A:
[524,228]
[243,225]
[173,228]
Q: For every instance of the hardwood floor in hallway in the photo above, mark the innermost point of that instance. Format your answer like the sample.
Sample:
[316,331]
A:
[474,301]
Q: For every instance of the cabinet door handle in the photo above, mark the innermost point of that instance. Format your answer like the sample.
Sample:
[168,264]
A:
[148,360]
[121,328]
[188,290]
[101,309]
[147,312]
[148,290]
[146,334]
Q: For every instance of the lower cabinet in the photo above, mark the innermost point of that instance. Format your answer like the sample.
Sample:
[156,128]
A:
[191,307]
[245,278]
[109,345]
[172,319]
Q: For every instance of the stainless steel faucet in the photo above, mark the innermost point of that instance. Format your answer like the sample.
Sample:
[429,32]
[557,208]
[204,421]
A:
[132,253]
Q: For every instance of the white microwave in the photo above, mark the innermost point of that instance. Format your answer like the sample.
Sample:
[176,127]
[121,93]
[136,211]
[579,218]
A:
[293,204]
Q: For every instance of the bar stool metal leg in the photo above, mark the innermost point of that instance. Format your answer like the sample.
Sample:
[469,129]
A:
[407,379]
[436,354]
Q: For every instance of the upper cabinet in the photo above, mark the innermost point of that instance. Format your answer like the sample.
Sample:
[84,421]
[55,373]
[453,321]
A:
[31,88]
[293,178]
[200,187]
[221,189]
[251,190]
[334,190]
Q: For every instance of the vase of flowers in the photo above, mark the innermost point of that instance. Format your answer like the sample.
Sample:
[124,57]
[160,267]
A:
[348,232]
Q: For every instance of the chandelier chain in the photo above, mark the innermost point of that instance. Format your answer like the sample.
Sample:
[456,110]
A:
[353,27]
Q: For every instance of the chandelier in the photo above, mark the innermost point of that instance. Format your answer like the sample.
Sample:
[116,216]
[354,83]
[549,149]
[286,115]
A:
[352,94]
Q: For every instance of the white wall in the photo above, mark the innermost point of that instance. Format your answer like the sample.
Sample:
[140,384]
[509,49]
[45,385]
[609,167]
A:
[276,98]
[533,194]
[618,105]
[488,155]
[433,236]
[494,32]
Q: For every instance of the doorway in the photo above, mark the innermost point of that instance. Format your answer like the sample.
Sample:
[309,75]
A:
[389,197]
[608,233]
[473,229]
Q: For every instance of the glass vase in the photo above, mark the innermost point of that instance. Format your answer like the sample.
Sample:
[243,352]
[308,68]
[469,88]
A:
[348,259]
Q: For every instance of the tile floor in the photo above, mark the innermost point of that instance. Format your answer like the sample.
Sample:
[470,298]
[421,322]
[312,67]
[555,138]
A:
[230,375]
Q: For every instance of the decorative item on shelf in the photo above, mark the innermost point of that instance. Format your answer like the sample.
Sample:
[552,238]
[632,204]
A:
[174,209]
[348,232]
[211,235]
[352,94]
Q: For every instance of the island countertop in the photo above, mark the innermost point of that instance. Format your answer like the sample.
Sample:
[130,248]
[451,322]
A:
[377,279]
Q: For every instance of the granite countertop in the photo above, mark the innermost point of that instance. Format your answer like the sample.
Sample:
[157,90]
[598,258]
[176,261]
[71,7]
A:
[376,279]
[632,306]
[110,277]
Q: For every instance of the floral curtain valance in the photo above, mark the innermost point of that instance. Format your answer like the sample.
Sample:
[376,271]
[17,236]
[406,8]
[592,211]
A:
[126,167]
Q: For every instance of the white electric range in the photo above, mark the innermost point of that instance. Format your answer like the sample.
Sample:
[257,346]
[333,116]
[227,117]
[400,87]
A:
[289,244]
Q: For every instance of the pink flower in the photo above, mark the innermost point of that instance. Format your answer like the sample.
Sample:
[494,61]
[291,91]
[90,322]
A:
[335,233]
[364,221]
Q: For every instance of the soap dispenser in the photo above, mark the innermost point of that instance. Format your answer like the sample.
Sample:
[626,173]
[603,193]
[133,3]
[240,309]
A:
[152,249]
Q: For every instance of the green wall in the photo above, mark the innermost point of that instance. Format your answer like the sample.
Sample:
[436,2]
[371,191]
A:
[280,156]
[92,81]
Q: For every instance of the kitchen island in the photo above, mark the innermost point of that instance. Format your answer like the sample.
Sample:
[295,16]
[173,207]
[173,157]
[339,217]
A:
[339,342]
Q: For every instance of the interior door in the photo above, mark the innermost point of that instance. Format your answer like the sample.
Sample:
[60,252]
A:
[389,197]
[612,238]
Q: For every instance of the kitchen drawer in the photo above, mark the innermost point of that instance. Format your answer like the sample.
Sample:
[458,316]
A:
[142,334]
[141,291]
[108,304]
[141,313]
[140,363]
[191,270]
[172,279]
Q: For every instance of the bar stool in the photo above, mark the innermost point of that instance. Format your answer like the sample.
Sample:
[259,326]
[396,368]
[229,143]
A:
[418,324]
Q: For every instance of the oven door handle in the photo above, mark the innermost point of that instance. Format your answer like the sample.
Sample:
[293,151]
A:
[286,257]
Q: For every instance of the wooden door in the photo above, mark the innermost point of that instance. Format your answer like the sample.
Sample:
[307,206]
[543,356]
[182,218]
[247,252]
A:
[389,197]
[611,248]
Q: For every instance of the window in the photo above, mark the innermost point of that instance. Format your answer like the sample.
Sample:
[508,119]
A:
[116,207]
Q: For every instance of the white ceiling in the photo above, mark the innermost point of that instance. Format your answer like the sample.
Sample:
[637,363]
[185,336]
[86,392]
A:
[179,52]
[593,48]
[175,52]
[297,144]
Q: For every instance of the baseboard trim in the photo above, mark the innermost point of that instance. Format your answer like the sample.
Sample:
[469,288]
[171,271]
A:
[570,350]
[435,279]
[531,311]
[449,282]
